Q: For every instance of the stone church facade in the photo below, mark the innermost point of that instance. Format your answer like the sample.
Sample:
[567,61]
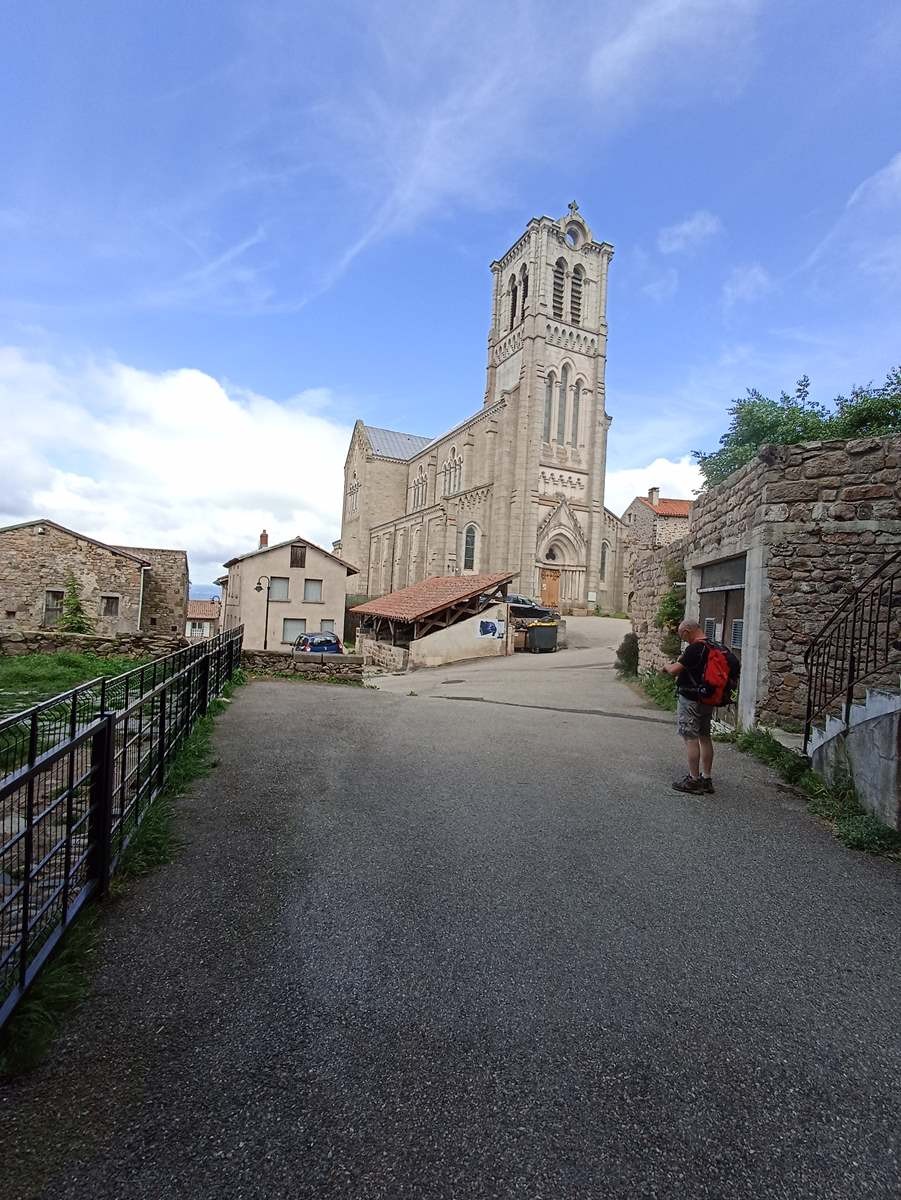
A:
[519,485]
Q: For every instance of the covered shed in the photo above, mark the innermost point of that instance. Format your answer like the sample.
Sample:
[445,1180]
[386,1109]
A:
[444,618]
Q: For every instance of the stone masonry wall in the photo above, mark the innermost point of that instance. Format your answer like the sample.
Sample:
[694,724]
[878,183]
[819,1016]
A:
[165,607]
[326,666]
[649,583]
[821,516]
[383,654]
[40,556]
[125,645]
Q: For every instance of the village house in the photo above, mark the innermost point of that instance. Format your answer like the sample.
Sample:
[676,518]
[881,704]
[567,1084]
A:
[203,619]
[123,589]
[280,592]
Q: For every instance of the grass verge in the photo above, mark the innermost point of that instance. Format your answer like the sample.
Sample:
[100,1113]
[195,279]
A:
[837,805]
[26,679]
[66,980]
[658,687]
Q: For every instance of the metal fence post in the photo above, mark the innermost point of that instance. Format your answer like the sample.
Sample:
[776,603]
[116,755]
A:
[100,822]
[161,756]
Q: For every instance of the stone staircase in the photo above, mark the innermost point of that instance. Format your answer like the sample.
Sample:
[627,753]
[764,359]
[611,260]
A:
[879,702]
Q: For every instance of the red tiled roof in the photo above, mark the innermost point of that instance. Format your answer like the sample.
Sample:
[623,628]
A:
[668,508]
[203,610]
[431,595]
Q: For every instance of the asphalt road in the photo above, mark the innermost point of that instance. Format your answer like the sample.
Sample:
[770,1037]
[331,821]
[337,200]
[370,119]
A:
[418,946]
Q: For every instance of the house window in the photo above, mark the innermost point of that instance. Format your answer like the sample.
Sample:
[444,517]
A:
[738,629]
[312,591]
[153,621]
[469,548]
[10,613]
[326,626]
[278,588]
[197,629]
[298,556]
[292,628]
[53,606]
[109,606]
[710,627]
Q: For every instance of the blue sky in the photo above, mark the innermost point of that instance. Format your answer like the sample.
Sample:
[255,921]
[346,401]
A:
[227,230]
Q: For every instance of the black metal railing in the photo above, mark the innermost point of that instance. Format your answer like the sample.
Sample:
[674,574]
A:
[77,775]
[859,643]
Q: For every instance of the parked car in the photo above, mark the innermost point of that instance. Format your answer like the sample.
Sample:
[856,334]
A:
[525,609]
[318,643]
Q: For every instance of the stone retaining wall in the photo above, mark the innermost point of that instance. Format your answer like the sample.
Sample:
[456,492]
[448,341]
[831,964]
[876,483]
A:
[275,662]
[383,654]
[125,645]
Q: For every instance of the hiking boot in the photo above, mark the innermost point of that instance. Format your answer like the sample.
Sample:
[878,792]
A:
[707,786]
[690,784]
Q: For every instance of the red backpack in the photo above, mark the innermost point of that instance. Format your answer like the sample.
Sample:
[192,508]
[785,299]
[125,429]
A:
[719,676]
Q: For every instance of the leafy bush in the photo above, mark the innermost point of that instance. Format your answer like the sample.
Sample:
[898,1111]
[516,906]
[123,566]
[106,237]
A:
[756,420]
[671,644]
[627,655]
[661,689]
[671,609]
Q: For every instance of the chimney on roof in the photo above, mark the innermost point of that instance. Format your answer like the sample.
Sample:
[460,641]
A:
[654,495]
[264,540]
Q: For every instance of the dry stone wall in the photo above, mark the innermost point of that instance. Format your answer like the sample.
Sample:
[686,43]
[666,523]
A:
[126,645]
[325,666]
[383,654]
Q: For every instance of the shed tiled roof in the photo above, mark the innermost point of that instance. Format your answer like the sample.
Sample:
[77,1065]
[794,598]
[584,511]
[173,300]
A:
[668,508]
[389,443]
[431,595]
[203,610]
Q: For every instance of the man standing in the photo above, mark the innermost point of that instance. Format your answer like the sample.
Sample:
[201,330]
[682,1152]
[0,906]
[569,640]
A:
[692,717]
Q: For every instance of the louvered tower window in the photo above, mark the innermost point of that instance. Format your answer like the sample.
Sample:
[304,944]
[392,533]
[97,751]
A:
[575,298]
[559,284]
[513,297]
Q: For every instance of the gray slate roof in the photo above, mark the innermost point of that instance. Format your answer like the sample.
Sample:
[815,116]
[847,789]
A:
[388,443]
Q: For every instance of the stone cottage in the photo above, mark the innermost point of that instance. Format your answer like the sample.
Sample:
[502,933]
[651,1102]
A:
[124,589]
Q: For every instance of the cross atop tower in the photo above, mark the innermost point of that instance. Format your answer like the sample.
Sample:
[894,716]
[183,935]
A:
[573,208]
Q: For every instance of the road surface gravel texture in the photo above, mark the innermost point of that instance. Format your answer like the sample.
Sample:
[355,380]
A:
[417,946]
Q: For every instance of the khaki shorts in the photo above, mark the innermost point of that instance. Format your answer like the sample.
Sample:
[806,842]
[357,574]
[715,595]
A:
[693,718]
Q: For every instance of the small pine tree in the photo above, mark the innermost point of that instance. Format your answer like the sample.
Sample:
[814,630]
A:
[73,618]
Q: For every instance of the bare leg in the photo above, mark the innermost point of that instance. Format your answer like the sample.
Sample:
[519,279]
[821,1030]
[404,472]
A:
[705,745]
[693,748]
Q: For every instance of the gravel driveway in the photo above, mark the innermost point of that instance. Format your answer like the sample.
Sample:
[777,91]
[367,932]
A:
[440,948]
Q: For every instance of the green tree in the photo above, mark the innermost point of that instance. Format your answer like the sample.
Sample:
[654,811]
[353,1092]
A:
[73,618]
[756,421]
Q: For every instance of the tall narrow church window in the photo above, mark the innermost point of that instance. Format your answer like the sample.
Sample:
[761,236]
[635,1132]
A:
[603,560]
[419,489]
[525,288]
[548,405]
[513,295]
[469,548]
[577,396]
[559,284]
[561,406]
[575,297]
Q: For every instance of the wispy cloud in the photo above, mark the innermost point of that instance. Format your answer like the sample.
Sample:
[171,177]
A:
[663,286]
[746,284]
[866,234]
[690,233]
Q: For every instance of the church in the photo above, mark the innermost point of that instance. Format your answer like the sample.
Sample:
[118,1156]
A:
[519,485]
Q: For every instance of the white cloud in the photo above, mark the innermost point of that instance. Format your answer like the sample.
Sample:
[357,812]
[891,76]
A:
[866,235]
[678,479]
[173,459]
[688,234]
[746,284]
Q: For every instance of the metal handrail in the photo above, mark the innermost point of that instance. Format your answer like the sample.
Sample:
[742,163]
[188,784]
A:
[857,642]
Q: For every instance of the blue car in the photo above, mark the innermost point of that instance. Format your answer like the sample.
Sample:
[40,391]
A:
[318,643]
